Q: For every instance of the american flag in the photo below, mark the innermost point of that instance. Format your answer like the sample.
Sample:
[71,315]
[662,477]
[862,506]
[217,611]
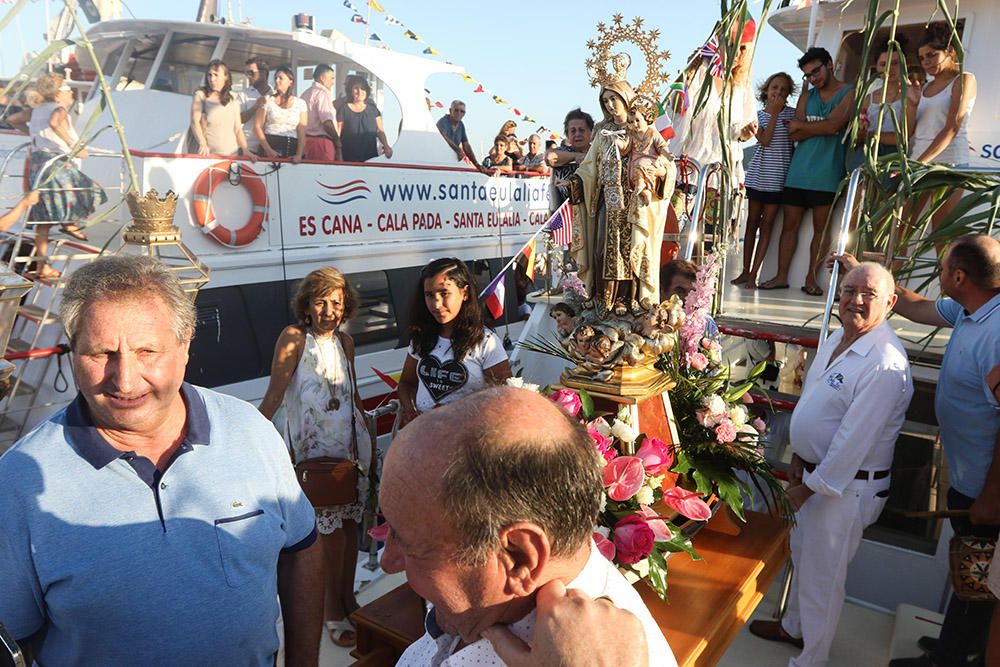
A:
[711,51]
[561,224]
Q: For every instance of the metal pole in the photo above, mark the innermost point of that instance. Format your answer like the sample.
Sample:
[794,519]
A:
[695,224]
[845,227]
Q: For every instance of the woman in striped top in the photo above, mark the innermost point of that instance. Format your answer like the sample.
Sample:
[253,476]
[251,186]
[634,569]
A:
[765,178]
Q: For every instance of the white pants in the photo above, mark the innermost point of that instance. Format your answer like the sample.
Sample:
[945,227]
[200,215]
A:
[826,536]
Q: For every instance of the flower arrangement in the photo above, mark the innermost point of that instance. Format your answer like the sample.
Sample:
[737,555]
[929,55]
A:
[631,532]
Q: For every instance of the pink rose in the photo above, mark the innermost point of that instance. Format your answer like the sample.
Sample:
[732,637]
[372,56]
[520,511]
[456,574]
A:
[711,344]
[633,539]
[568,400]
[759,425]
[698,361]
[605,546]
[623,477]
[705,417]
[656,456]
[659,527]
[725,432]
[602,443]
[687,503]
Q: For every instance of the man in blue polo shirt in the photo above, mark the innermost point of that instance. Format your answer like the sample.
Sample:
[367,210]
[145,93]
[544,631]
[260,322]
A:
[968,415]
[152,522]
[452,128]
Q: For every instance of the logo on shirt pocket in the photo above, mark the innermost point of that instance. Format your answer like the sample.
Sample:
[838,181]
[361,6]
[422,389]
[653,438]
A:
[835,380]
[248,545]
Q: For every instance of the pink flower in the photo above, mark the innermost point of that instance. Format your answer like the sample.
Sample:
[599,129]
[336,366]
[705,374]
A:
[687,503]
[659,527]
[711,345]
[656,456]
[602,443]
[698,361]
[623,477]
[759,425]
[379,533]
[633,539]
[747,398]
[725,432]
[605,546]
[568,400]
[705,417]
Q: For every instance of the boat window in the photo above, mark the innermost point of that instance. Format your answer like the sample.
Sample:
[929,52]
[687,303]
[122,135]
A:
[848,62]
[144,50]
[110,61]
[238,53]
[183,67]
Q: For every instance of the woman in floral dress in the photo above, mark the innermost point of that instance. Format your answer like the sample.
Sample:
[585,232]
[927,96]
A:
[312,374]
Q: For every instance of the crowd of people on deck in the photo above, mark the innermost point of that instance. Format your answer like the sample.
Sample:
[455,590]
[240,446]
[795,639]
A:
[489,517]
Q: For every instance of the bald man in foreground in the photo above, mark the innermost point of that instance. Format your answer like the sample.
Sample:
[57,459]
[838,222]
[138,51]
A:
[490,510]
[843,433]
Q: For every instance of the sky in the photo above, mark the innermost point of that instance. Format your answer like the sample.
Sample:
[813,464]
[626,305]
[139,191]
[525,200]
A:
[530,54]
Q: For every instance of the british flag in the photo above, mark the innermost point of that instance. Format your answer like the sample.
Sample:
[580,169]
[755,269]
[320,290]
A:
[561,224]
[711,52]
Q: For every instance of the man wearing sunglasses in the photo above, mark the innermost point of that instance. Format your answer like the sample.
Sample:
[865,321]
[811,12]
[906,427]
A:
[452,129]
[817,165]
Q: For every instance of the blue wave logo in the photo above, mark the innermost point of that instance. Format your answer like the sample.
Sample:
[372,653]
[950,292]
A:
[344,193]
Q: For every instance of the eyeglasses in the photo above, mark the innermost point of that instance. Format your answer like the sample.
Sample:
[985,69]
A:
[813,73]
[849,293]
[252,72]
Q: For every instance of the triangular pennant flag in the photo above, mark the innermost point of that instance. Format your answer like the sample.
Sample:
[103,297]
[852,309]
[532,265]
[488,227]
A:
[529,119]
[412,35]
[391,379]
[374,5]
[374,37]
[392,20]
[439,105]
[516,111]
[479,89]
[663,124]
[494,296]
[427,91]
[542,129]
[499,100]
[349,5]
[468,79]
[526,259]
[358,18]
[554,137]
[430,50]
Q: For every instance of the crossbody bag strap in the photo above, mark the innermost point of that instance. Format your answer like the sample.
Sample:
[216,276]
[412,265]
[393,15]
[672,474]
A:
[354,408]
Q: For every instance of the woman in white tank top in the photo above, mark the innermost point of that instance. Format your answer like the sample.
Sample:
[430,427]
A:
[943,112]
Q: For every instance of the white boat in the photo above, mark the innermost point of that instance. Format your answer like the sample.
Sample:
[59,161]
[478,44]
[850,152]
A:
[378,221]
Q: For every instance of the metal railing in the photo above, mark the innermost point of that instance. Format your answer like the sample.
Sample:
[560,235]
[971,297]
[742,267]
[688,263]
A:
[695,225]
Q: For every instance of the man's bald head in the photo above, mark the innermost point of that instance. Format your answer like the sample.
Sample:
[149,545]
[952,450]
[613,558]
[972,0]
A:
[881,275]
[497,457]
[978,256]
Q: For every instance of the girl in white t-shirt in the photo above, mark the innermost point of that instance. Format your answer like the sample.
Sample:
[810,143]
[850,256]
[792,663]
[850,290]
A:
[451,353]
[280,124]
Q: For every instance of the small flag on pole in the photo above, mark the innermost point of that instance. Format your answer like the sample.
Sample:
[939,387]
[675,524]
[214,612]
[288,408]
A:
[711,52]
[561,224]
[358,18]
[526,259]
[494,296]
[391,380]
[374,5]
[663,124]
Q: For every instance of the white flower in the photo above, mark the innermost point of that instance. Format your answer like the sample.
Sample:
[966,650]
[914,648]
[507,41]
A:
[642,567]
[655,482]
[519,383]
[715,404]
[738,415]
[644,496]
[624,414]
[623,432]
[601,426]
[604,531]
[604,503]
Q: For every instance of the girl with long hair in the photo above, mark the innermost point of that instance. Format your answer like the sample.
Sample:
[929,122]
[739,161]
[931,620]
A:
[280,124]
[313,375]
[451,353]
[216,127]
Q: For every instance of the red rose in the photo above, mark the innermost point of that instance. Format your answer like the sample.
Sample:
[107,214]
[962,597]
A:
[633,539]
[657,456]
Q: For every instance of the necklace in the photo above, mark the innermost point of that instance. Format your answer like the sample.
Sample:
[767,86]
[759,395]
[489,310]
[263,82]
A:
[334,403]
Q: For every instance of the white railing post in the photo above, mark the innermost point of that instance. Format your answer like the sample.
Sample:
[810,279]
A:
[845,230]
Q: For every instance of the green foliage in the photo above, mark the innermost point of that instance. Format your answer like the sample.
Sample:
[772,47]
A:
[658,573]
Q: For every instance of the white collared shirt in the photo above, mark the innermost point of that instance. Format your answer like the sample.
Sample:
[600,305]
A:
[598,578]
[851,410]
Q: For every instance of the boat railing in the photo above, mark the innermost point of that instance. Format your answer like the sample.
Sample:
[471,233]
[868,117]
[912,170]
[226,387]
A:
[694,227]
[372,417]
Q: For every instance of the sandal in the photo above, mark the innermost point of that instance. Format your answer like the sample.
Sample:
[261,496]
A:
[73,231]
[772,284]
[812,290]
[339,631]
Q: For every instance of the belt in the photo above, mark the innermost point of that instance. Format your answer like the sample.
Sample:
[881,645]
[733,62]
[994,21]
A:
[861,474]
[319,136]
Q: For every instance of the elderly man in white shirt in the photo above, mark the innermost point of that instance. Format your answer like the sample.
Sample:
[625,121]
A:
[843,433]
[485,509]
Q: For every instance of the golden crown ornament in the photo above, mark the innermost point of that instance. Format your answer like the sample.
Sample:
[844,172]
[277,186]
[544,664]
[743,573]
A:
[631,32]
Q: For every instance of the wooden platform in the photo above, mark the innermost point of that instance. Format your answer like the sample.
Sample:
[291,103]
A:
[710,600]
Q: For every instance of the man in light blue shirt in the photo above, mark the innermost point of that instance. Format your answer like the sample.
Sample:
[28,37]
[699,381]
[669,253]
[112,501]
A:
[967,413]
[152,522]
[452,129]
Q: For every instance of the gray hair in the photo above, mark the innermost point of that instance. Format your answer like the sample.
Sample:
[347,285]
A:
[883,275]
[124,277]
[493,482]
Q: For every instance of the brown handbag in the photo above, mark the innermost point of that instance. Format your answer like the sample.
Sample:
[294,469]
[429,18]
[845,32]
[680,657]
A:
[329,481]
[969,560]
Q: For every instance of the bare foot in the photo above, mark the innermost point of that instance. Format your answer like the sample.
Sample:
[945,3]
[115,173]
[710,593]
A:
[48,273]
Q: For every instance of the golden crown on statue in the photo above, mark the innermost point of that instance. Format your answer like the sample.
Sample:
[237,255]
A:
[645,40]
[152,218]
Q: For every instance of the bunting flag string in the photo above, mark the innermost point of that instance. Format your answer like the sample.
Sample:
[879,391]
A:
[377,6]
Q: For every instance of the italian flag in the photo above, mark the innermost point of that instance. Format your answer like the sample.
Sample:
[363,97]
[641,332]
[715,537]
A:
[663,124]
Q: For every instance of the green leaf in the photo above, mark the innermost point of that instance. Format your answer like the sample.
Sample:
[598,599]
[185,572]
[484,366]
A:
[729,492]
[678,543]
[658,573]
[588,404]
